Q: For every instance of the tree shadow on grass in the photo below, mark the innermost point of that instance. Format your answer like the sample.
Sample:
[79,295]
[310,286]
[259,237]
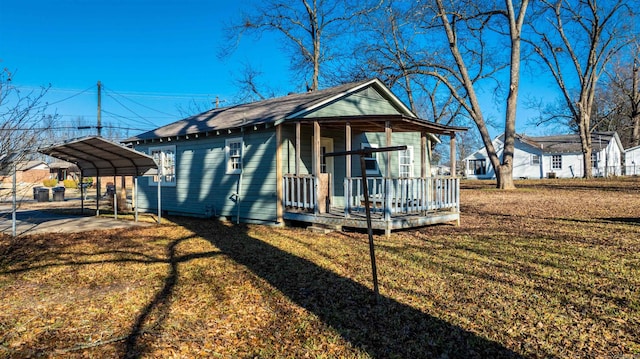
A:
[388,329]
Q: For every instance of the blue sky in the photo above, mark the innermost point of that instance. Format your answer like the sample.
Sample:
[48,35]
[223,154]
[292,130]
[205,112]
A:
[152,56]
[157,53]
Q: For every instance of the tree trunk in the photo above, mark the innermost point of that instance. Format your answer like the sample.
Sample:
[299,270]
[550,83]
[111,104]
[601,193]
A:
[585,141]
[636,130]
[504,177]
[635,106]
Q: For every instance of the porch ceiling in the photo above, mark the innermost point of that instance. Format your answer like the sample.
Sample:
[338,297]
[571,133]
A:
[377,124]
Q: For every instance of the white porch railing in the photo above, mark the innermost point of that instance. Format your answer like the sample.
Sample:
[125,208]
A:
[299,191]
[389,196]
[403,195]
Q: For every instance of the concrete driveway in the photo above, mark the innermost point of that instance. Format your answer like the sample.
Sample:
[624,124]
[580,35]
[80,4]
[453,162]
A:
[31,221]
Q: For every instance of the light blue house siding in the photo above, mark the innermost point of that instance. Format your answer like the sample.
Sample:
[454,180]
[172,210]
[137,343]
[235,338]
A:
[375,139]
[204,188]
[272,183]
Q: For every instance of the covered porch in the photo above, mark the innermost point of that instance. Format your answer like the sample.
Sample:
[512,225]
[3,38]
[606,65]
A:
[329,191]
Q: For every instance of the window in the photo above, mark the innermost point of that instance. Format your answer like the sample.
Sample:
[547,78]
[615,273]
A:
[535,160]
[371,162]
[594,159]
[556,162]
[405,160]
[233,154]
[165,157]
[478,167]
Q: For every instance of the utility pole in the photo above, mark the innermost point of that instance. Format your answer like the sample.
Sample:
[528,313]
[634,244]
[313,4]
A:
[99,134]
[99,109]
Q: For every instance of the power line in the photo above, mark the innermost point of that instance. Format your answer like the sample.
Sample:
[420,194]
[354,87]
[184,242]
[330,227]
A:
[133,112]
[138,103]
[79,128]
[64,99]
[124,117]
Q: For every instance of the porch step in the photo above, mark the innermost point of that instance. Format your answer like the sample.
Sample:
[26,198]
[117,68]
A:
[323,228]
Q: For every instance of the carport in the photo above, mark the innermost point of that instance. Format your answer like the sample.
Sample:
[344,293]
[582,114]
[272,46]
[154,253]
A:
[96,157]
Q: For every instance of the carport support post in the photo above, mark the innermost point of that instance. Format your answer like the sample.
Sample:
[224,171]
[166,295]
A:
[115,199]
[81,193]
[14,201]
[159,195]
[135,198]
[97,193]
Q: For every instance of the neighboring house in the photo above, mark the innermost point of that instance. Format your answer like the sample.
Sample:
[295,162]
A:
[632,161]
[263,162]
[551,157]
[62,170]
[27,172]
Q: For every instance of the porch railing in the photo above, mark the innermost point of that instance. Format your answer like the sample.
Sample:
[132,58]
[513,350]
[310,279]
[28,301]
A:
[387,196]
[403,195]
[299,191]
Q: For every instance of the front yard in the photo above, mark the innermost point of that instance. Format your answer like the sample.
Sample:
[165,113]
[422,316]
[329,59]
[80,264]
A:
[551,269]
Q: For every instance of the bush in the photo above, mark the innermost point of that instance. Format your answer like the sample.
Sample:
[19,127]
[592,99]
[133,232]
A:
[52,182]
[69,183]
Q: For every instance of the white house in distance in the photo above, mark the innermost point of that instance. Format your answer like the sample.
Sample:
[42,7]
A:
[551,157]
[632,161]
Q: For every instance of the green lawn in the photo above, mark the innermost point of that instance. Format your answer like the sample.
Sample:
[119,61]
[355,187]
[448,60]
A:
[551,269]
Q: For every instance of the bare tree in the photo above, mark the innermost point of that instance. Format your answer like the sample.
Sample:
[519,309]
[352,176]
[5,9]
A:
[576,40]
[471,61]
[22,119]
[308,26]
[391,50]
[618,103]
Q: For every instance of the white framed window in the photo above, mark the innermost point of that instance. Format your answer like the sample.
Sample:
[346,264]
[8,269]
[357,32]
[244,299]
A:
[165,157]
[405,162]
[371,162]
[233,155]
[535,160]
[556,162]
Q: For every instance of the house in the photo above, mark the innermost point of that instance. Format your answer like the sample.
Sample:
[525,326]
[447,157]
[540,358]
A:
[632,161]
[62,170]
[264,162]
[27,172]
[557,156]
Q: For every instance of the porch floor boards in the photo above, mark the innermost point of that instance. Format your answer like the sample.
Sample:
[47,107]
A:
[357,219]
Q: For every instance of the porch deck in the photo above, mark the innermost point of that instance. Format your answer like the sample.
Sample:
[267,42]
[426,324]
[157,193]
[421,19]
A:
[395,203]
[335,218]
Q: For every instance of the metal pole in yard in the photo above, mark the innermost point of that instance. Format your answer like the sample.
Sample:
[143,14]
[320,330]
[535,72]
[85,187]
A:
[367,211]
[363,153]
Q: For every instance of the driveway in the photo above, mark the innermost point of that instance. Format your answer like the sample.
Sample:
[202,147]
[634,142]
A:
[31,221]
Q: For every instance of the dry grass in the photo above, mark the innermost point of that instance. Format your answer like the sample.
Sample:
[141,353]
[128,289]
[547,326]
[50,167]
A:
[549,270]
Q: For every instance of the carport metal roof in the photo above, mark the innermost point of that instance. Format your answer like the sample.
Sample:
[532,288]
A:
[96,156]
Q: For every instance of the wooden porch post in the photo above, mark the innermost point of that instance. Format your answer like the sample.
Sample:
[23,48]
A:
[347,171]
[387,183]
[423,154]
[347,147]
[316,164]
[279,177]
[387,132]
[297,148]
[452,153]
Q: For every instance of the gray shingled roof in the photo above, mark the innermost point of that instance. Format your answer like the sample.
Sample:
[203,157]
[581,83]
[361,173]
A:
[571,143]
[255,113]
